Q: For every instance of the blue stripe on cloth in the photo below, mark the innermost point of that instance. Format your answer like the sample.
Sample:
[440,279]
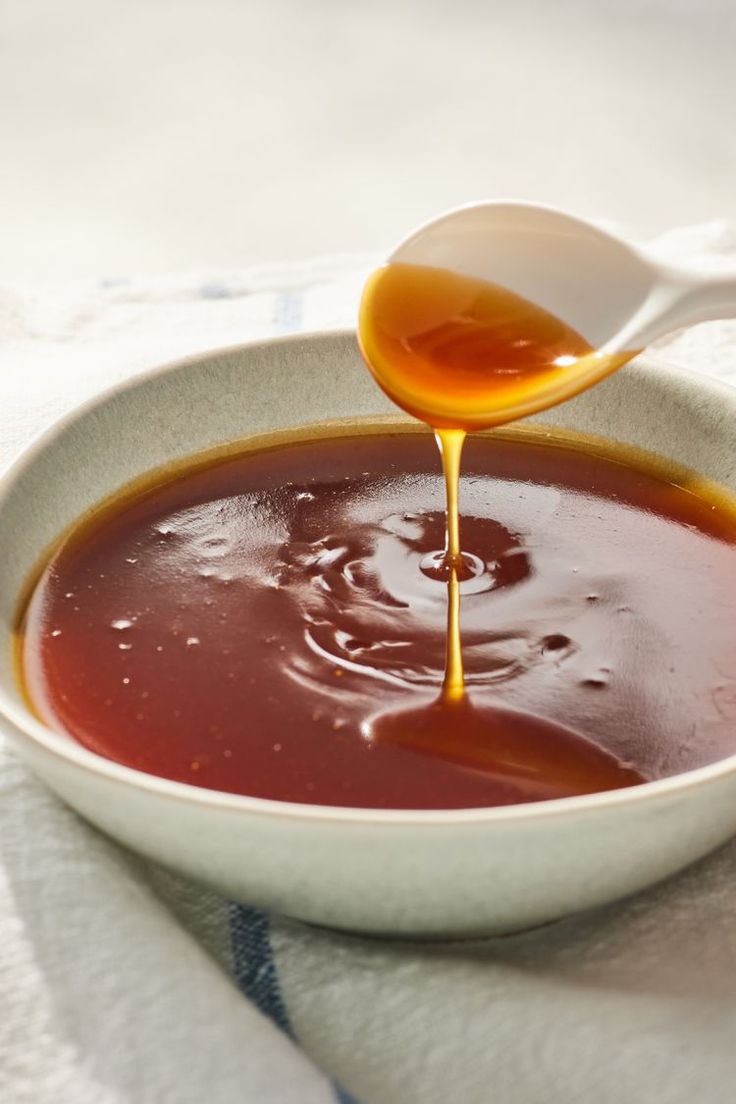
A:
[256,975]
[288,311]
[255,969]
[253,961]
[343,1097]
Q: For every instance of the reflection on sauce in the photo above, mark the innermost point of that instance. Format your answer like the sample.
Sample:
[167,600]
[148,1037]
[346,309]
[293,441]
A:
[461,353]
[539,759]
[271,625]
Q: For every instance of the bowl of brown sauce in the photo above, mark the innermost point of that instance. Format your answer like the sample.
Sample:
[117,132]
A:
[225,636]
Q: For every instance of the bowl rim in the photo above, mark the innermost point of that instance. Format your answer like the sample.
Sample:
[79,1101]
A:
[63,747]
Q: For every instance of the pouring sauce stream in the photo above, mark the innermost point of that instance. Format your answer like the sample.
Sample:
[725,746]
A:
[461,353]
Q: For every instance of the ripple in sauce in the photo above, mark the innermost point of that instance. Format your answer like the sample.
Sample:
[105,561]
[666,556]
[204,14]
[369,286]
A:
[254,626]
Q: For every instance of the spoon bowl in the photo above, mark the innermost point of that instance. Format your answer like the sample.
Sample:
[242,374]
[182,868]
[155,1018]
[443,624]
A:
[617,295]
[581,274]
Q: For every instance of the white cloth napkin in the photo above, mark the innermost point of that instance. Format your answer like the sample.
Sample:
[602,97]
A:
[123,984]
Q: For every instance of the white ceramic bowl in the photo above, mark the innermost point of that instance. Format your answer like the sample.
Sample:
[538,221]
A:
[466,871]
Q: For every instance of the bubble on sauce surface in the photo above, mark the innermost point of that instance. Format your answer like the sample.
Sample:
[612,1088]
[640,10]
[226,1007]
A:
[557,646]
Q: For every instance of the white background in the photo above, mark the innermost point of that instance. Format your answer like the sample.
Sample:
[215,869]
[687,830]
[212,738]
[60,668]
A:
[142,136]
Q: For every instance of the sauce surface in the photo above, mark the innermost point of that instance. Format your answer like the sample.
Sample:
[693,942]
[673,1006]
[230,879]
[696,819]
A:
[264,626]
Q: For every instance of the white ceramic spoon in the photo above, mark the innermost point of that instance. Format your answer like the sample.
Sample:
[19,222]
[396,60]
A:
[618,296]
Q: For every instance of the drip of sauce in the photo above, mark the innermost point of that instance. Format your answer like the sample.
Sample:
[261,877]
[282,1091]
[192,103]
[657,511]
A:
[451,443]
[461,353]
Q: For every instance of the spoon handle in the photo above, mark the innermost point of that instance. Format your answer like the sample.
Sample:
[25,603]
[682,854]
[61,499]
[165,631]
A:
[679,297]
[700,296]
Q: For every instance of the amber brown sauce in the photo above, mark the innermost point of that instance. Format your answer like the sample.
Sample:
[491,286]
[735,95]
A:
[264,626]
